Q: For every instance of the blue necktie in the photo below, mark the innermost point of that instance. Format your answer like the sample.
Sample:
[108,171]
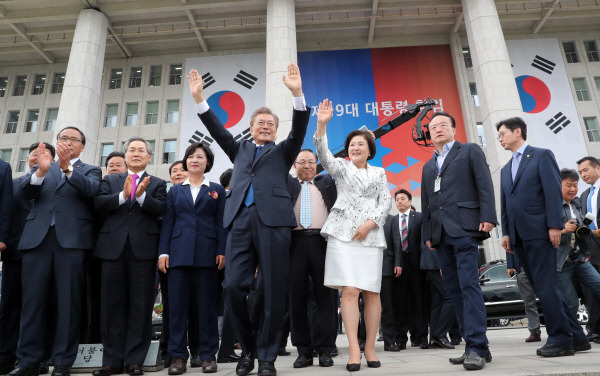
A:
[305,207]
[589,206]
[250,194]
[404,234]
[515,165]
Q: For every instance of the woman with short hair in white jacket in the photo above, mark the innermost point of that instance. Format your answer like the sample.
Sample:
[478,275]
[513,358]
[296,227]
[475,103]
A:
[354,232]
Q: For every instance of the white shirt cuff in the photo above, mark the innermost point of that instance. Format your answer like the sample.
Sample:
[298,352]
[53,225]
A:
[202,107]
[141,199]
[36,180]
[299,103]
[163,255]
[121,199]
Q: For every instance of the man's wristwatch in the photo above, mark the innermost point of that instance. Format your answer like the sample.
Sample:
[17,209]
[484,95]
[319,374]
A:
[68,169]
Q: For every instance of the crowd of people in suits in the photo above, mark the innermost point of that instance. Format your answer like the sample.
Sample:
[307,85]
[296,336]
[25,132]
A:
[279,243]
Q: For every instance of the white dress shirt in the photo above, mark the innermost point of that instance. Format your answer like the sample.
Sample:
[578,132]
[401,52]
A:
[36,180]
[140,200]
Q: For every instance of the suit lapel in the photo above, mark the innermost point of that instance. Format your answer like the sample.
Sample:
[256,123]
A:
[451,155]
[265,149]
[202,194]
[56,174]
[411,222]
[525,158]
[187,192]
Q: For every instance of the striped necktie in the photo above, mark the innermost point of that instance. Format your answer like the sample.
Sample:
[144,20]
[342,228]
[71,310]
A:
[404,234]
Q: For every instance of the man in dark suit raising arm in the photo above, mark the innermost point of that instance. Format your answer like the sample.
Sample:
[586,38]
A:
[531,200]
[458,212]
[260,215]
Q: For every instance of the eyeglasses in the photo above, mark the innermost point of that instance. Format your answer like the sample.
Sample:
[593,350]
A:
[262,123]
[439,126]
[302,163]
[65,139]
[502,134]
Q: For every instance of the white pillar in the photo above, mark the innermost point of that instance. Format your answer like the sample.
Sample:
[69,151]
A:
[496,86]
[80,99]
[281,49]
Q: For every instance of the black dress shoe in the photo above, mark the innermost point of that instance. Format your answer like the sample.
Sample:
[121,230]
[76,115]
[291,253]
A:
[22,371]
[61,371]
[283,352]
[424,345]
[303,361]
[473,361]
[392,347]
[245,364]
[209,366]
[230,358]
[44,369]
[334,352]
[7,367]
[402,345]
[195,361]
[135,370]
[353,367]
[107,371]
[582,346]
[461,359]
[455,341]
[325,359]
[266,368]
[442,342]
[550,350]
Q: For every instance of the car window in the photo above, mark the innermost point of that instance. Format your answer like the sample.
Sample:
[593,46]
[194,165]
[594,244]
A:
[497,273]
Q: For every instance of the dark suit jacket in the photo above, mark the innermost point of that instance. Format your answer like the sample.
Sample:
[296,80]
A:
[267,172]
[533,204]
[20,210]
[6,195]
[410,261]
[139,223]
[71,202]
[583,203]
[324,184]
[466,197]
[192,233]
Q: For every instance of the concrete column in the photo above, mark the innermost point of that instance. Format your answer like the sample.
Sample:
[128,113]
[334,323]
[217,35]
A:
[80,100]
[281,49]
[496,86]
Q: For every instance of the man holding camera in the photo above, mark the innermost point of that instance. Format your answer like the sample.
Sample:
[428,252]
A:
[572,264]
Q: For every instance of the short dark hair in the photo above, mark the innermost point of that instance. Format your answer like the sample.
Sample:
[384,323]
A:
[310,151]
[403,191]
[593,161]
[75,128]
[112,155]
[444,113]
[265,111]
[175,164]
[225,177]
[514,123]
[210,157]
[48,146]
[367,136]
[567,173]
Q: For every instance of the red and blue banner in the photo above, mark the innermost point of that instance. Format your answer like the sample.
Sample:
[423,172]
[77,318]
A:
[372,86]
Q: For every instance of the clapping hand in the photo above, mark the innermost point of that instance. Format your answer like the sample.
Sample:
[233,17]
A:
[43,161]
[196,85]
[64,155]
[141,188]
[293,81]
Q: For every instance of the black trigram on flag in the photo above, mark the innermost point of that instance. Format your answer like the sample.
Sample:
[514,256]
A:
[200,137]
[558,122]
[543,64]
[208,79]
[245,135]
[245,79]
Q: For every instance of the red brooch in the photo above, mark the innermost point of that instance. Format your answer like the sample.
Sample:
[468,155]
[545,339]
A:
[214,194]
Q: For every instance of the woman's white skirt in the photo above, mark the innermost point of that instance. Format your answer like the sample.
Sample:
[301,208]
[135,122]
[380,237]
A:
[353,264]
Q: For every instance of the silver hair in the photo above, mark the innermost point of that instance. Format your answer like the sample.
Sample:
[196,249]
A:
[148,148]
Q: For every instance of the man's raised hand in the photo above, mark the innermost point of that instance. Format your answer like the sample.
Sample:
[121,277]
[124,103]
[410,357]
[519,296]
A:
[292,80]
[196,85]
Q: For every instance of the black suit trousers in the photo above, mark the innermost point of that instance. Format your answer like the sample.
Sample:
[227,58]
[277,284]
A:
[44,267]
[412,312]
[126,313]
[442,311]
[10,310]
[253,243]
[390,306]
[307,259]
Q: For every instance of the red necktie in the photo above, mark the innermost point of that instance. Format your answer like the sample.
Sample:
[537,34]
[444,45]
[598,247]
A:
[134,178]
